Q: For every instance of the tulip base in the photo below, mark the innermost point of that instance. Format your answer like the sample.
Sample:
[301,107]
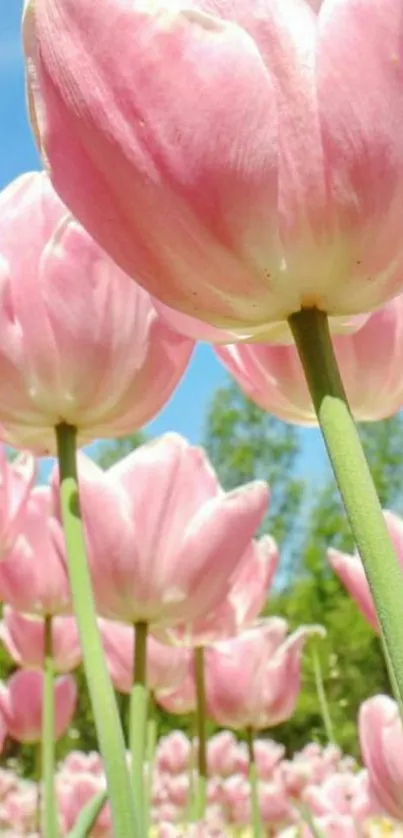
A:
[103,701]
[311,333]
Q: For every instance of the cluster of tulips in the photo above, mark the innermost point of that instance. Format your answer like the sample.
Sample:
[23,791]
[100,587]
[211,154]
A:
[226,172]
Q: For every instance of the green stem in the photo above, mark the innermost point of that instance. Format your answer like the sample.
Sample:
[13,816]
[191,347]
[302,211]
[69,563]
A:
[322,698]
[254,785]
[106,716]
[152,732]
[310,329]
[50,822]
[201,716]
[138,718]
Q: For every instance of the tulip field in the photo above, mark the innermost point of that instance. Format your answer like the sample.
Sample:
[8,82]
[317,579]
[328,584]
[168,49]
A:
[201,630]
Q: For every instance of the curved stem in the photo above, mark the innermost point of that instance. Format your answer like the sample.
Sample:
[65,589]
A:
[322,698]
[50,821]
[311,334]
[103,701]
[138,718]
[254,785]
[201,716]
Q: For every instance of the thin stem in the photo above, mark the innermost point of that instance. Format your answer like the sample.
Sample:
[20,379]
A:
[138,718]
[201,716]
[310,329]
[322,698]
[254,785]
[50,822]
[106,716]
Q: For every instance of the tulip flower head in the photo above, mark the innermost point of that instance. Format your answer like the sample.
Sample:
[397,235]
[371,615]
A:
[284,191]
[80,343]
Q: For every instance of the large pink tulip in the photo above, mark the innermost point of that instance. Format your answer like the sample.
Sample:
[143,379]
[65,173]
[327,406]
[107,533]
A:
[79,342]
[33,577]
[24,638]
[350,569]
[172,540]
[16,482]
[240,160]
[370,360]
[241,606]
[381,739]
[166,667]
[254,680]
[21,704]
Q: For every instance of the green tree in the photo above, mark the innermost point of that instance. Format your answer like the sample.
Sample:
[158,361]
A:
[244,443]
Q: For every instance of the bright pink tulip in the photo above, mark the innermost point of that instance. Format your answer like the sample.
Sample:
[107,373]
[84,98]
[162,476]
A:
[253,680]
[241,606]
[172,541]
[381,739]
[23,637]
[166,667]
[350,570]
[21,704]
[33,578]
[276,194]
[79,342]
[370,361]
[16,482]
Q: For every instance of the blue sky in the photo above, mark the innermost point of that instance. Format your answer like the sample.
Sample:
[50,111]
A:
[186,411]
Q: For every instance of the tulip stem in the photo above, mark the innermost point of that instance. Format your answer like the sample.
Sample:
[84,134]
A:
[311,333]
[138,718]
[254,785]
[201,714]
[104,706]
[322,698]
[50,821]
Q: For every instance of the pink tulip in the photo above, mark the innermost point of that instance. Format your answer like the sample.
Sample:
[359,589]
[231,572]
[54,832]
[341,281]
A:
[33,578]
[253,680]
[267,757]
[79,342]
[21,704]
[74,792]
[381,739]
[278,193]
[241,606]
[77,762]
[16,482]
[23,637]
[172,541]
[173,753]
[166,667]
[225,756]
[179,700]
[350,570]
[370,361]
